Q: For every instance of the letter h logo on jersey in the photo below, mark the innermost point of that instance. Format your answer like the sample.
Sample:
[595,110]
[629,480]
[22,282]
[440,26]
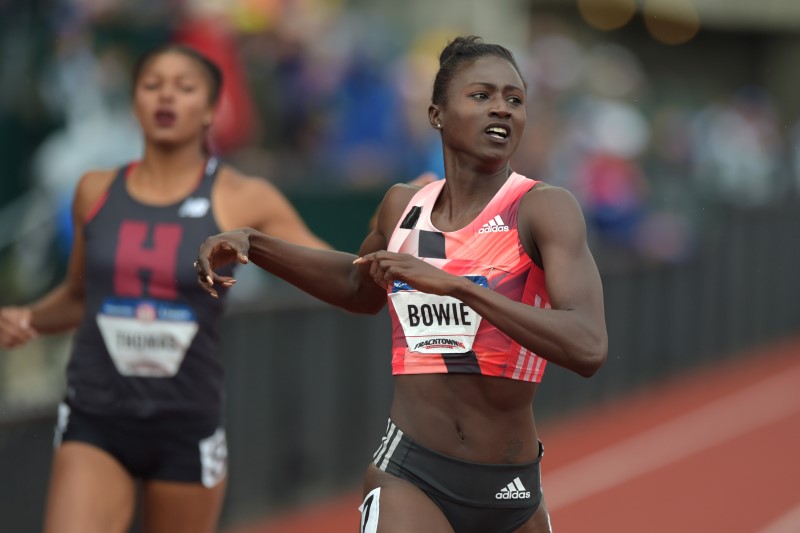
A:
[153,255]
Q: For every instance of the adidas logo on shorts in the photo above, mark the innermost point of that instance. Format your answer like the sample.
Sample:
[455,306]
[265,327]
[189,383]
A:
[494,226]
[513,491]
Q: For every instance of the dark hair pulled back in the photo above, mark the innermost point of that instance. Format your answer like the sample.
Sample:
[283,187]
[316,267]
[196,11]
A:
[459,51]
[211,68]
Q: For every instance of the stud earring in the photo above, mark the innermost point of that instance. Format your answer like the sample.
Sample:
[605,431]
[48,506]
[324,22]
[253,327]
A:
[438,126]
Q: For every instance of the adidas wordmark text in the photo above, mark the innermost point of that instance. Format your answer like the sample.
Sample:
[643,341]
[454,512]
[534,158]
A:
[494,226]
[513,491]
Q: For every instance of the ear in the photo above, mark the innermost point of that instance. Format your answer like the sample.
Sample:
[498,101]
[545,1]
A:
[208,118]
[435,116]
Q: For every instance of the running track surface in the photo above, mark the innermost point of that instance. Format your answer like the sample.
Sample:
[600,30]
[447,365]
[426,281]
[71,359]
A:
[713,451]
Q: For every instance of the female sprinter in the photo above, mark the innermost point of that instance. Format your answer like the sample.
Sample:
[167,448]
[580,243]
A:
[488,277]
[144,391]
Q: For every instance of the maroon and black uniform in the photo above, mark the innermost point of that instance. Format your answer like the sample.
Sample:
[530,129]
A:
[146,352]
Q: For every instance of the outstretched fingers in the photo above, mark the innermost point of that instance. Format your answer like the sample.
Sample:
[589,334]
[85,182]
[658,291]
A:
[214,253]
[206,277]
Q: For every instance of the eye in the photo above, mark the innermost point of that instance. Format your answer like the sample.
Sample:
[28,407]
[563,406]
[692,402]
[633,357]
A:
[149,85]
[479,96]
[188,88]
[515,100]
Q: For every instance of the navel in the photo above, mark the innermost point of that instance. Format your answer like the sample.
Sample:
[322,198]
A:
[460,433]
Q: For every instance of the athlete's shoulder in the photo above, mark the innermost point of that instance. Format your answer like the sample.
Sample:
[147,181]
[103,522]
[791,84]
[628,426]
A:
[402,193]
[397,199]
[552,211]
[92,185]
[392,207]
[544,193]
[241,200]
[233,182]
[97,178]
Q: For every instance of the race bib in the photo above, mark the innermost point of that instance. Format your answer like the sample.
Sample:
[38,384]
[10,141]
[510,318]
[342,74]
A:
[146,338]
[435,324]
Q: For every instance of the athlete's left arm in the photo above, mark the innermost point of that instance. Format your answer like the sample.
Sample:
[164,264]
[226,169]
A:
[572,333]
[256,203]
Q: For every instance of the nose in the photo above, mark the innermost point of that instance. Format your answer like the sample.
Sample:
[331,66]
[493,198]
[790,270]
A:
[166,92]
[500,108]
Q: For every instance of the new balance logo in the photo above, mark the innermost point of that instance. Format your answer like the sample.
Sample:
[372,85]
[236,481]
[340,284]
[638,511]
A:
[493,226]
[513,491]
[194,208]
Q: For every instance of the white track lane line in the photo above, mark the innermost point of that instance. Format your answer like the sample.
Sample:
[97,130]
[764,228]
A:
[747,409]
[788,523]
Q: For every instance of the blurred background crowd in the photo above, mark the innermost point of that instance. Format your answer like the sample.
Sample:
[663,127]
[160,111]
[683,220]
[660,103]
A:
[656,114]
[644,122]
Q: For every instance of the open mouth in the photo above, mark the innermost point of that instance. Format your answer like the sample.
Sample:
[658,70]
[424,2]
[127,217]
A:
[498,132]
[165,118]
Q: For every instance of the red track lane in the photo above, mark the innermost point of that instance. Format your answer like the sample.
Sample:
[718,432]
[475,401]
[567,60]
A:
[714,451]
[338,515]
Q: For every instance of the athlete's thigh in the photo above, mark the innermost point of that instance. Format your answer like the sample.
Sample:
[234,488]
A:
[177,507]
[90,492]
[539,522]
[400,507]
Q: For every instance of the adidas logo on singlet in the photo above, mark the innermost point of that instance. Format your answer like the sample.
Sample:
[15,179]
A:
[494,226]
[513,491]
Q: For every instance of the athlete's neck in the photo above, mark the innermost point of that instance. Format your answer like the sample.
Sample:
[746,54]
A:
[162,167]
[469,188]
[472,175]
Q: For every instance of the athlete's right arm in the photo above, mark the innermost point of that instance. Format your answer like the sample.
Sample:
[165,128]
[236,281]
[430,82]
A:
[328,275]
[62,308]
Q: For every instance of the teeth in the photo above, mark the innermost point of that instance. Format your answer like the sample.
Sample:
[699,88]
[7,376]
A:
[498,131]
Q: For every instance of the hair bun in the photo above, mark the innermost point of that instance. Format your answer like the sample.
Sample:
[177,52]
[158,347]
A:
[457,46]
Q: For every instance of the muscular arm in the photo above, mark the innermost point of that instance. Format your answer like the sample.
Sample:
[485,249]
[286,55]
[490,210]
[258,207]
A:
[62,308]
[573,333]
[328,275]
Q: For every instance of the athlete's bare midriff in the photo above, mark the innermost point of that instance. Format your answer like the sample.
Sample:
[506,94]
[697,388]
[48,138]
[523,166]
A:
[468,416]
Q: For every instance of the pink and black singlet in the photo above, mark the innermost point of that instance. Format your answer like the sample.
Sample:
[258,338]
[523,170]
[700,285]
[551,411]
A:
[440,334]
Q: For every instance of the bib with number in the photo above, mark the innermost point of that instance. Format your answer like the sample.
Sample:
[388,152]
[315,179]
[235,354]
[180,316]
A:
[146,338]
[435,324]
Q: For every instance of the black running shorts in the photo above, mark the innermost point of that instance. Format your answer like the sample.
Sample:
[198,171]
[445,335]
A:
[184,448]
[474,497]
